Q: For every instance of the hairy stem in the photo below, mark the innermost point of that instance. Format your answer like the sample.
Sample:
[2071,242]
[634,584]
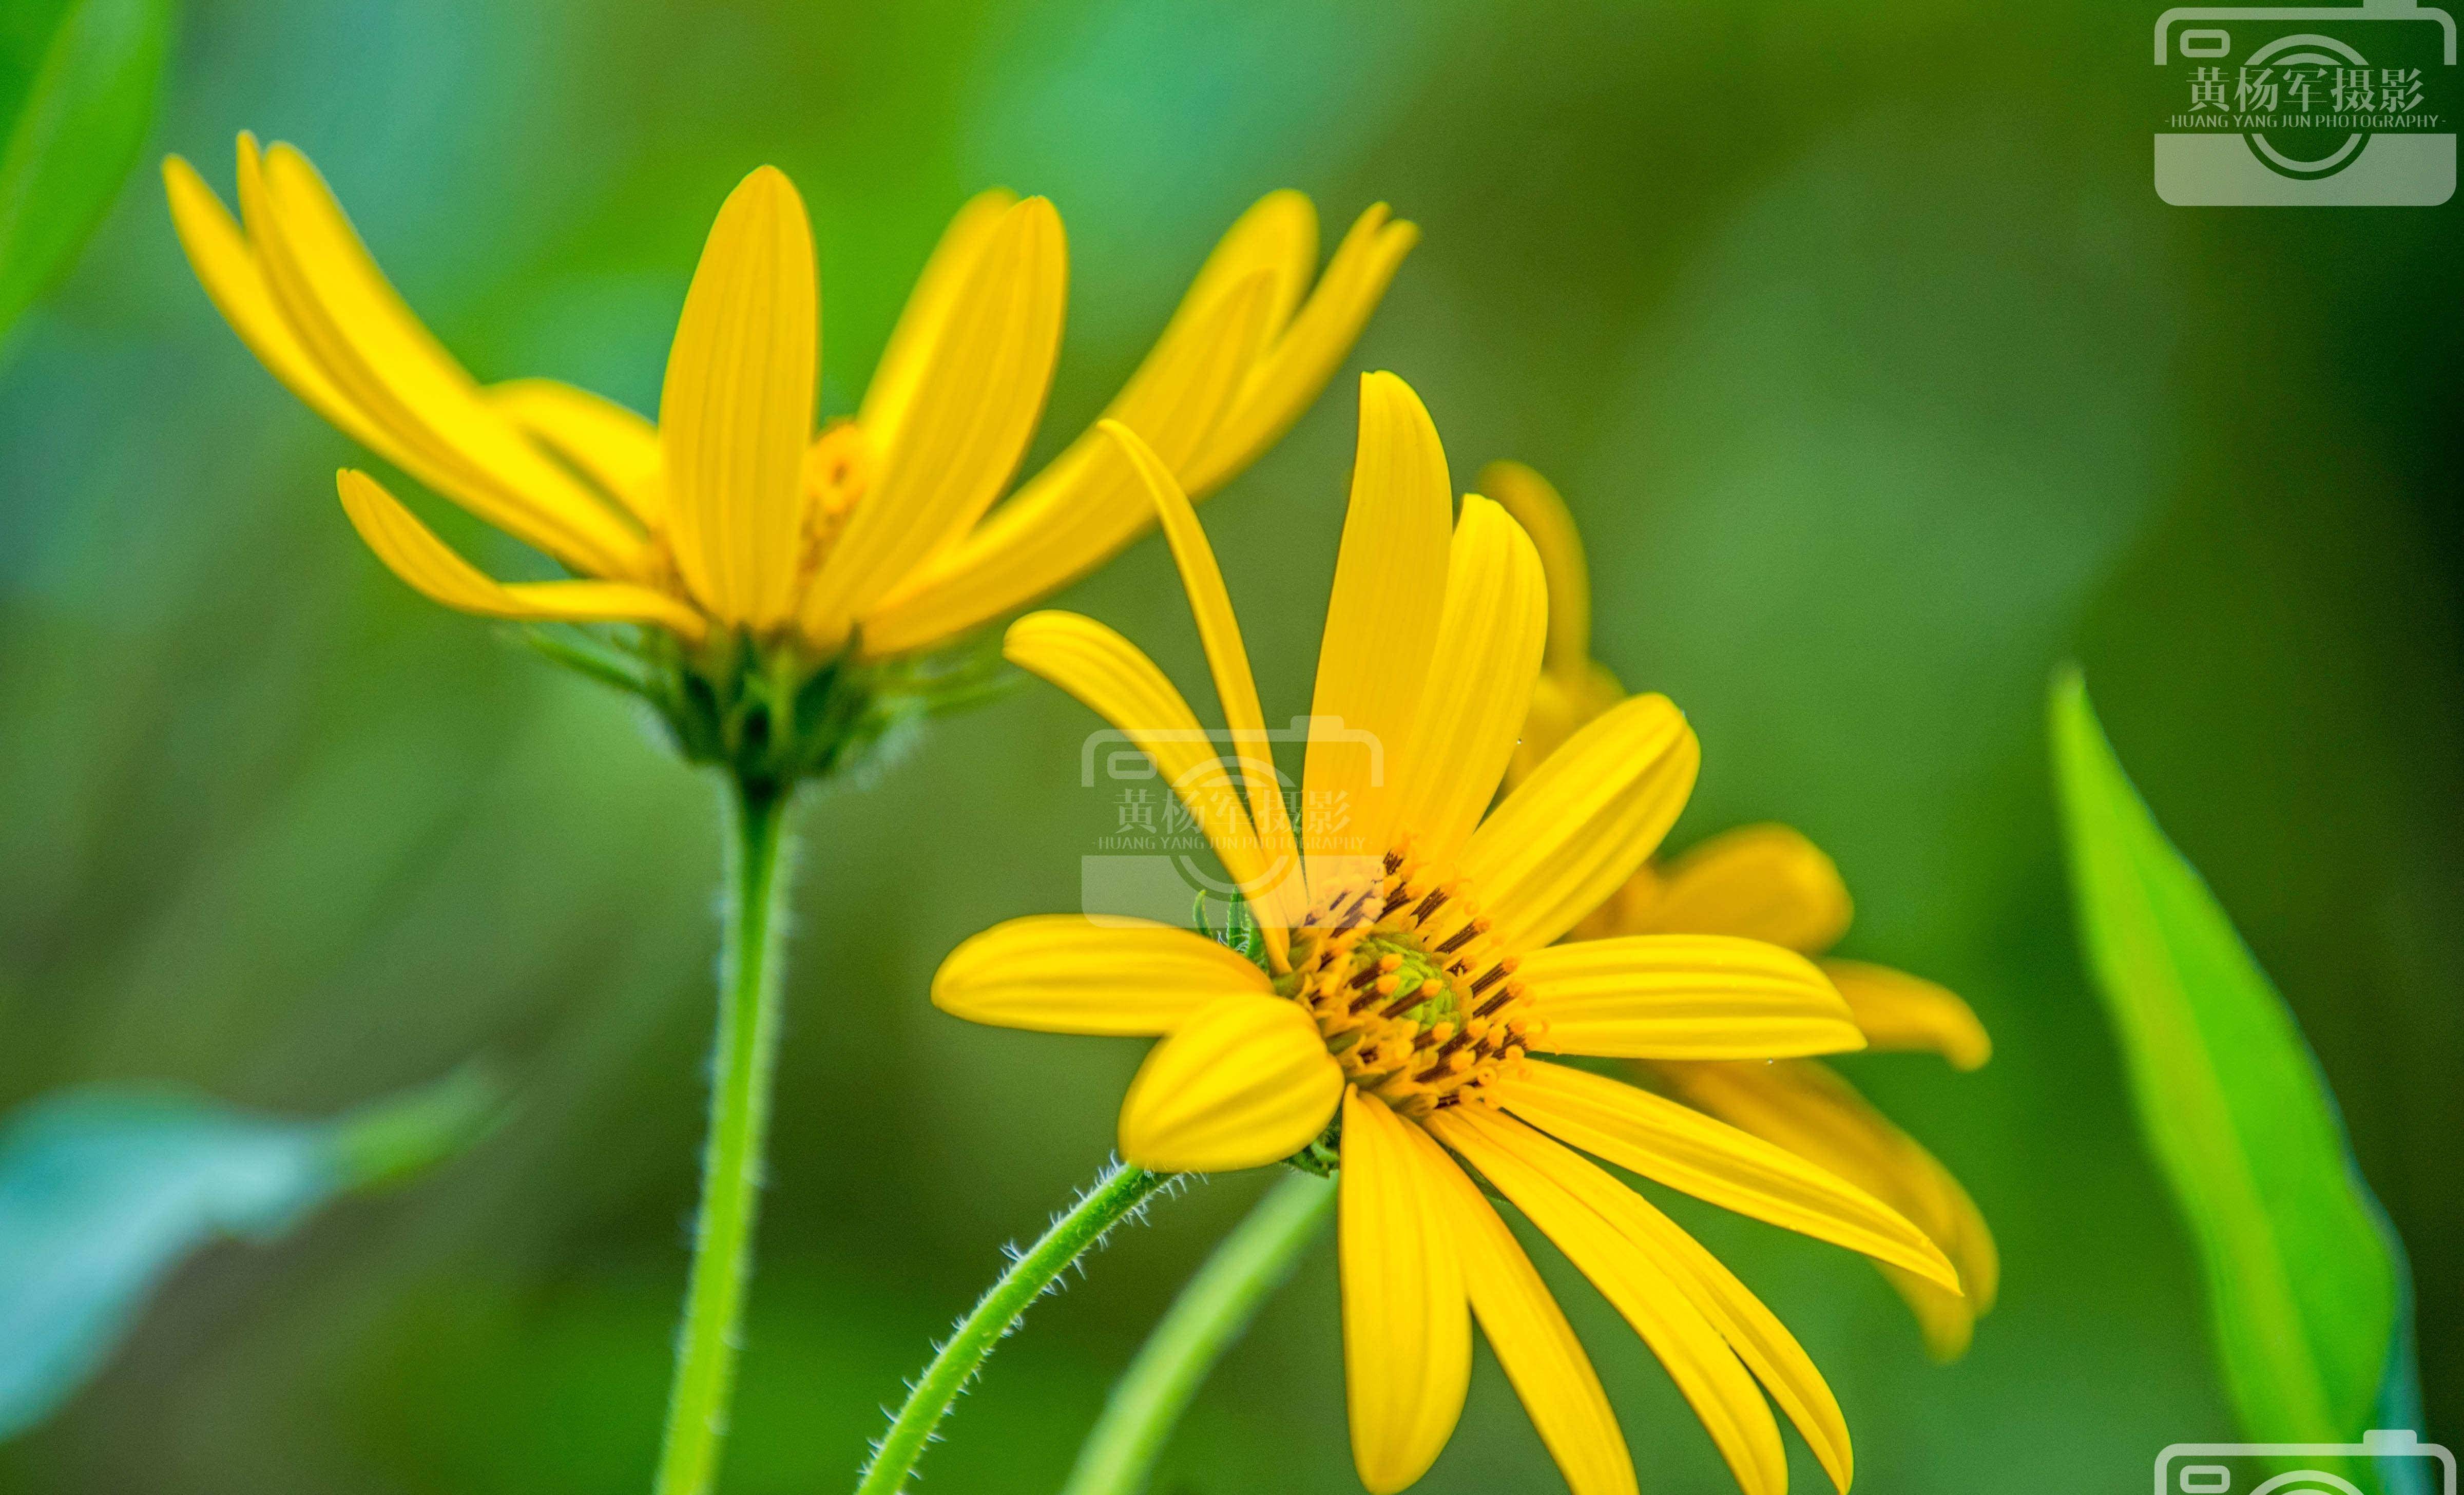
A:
[1210,1314]
[1118,1193]
[739,1118]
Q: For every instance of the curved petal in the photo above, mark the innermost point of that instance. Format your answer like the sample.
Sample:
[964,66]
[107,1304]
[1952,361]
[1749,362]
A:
[1756,882]
[1244,1083]
[1271,247]
[1902,1012]
[407,398]
[1561,705]
[1697,1358]
[1277,237]
[1752,1331]
[1808,1108]
[960,433]
[736,412]
[1283,897]
[1382,627]
[1114,679]
[1211,378]
[412,552]
[1304,356]
[1479,688]
[1064,973]
[608,444]
[1583,823]
[225,264]
[1407,1335]
[371,345]
[1088,502]
[1686,1150]
[903,358]
[1684,997]
[1536,507]
[1537,1347]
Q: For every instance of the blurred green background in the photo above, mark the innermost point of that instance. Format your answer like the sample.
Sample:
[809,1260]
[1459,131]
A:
[1876,373]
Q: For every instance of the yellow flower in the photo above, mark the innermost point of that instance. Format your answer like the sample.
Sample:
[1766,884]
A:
[875,537]
[1409,983]
[1770,883]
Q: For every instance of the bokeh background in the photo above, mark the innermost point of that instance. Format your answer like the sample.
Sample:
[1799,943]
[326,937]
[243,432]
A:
[1877,375]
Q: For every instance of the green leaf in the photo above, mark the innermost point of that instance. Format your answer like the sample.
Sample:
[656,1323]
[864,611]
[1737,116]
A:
[2306,1285]
[104,1191]
[77,90]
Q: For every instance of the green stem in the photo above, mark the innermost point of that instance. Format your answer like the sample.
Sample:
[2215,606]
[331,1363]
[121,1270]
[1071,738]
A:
[739,1118]
[1210,1314]
[1118,1193]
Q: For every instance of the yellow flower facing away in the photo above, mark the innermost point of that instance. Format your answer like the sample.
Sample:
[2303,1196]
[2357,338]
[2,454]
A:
[1769,883]
[731,519]
[1411,988]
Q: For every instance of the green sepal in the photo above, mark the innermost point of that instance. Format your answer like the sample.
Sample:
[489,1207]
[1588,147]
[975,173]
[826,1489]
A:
[1324,1155]
[583,653]
[770,715]
[1240,933]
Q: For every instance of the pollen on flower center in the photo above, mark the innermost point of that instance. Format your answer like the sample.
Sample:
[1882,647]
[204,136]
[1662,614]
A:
[838,473]
[1416,1001]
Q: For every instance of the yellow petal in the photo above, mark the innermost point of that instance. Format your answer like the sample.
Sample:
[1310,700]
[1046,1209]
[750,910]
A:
[1112,678]
[1757,882]
[1536,507]
[1471,709]
[736,409]
[1295,369]
[1752,1331]
[434,422]
[1064,973]
[606,443]
[1686,1150]
[1406,1333]
[1276,237]
[412,552]
[1537,1347]
[1382,627]
[1583,823]
[1808,1108]
[961,434]
[1180,392]
[1945,1322]
[1698,1359]
[227,267]
[1902,1012]
[904,357]
[1284,896]
[1087,503]
[1211,378]
[1247,1081]
[1561,705]
[1684,997]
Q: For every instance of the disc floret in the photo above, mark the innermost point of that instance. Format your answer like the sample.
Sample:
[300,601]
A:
[1416,1002]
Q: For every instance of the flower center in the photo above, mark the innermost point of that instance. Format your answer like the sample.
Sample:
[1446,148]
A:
[1416,1003]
